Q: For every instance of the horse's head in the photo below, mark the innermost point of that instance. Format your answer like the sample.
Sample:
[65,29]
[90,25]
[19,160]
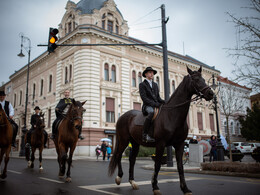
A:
[40,121]
[199,85]
[77,113]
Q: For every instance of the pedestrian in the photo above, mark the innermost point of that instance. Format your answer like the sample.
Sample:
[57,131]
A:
[108,151]
[213,151]
[98,151]
[9,111]
[194,140]
[104,149]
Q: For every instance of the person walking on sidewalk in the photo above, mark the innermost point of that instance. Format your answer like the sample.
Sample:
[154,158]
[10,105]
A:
[104,149]
[213,151]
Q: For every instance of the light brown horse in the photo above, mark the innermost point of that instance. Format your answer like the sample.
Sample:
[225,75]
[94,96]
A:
[170,129]
[6,134]
[67,137]
[37,141]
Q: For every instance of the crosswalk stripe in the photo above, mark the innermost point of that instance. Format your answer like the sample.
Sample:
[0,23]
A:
[52,180]
[16,172]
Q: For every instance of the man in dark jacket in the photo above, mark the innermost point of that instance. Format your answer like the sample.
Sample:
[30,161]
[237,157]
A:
[9,111]
[33,123]
[149,93]
[61,110]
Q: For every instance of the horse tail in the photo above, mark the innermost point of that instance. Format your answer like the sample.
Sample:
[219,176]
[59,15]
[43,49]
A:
[114,160]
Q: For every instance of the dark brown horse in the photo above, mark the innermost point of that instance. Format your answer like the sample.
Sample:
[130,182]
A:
[170,129]
[67,137]
[6,134]
[37,141]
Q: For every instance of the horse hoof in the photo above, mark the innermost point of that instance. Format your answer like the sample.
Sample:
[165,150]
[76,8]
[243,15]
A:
[29,164]
[188,193]
[68,179]
[41,169]
[157,192]
[61,176]
[134,185]
[118,180]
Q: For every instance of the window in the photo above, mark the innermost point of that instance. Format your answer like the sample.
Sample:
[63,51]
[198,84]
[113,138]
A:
[225,126]
[110,110]
[137,106]
[232,127]
[34,89]
[50,83]
[188,121]
[173,86]
[103,24]
[106,72]
[66,75]
[211,120]
[238,128]
[113,74]
[14,100]
[49,118]
[158,82]
[139,77]
[21,97]
[70,73]
[200,122]
[41,92]
[110,26]
[117,27]
[69,27]
[133,79]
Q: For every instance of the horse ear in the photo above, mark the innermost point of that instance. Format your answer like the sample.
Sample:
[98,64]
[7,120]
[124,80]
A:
[189,71]
[84,102]
[200,69]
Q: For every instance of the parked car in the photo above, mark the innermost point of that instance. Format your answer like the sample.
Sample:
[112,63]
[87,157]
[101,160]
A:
[254,146]
[244,147]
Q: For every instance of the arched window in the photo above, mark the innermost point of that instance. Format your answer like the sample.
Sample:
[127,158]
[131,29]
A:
[104,21]
[158,82]
[238,128]
[34,90]
[41,92]
[232,127]
[106,72]
[139,77]
[50,83]
[133,79]
[225,126]
[110,26]
[173,86]
[66,75]
[113,74]
[117,27]
[70,73]
[21,96]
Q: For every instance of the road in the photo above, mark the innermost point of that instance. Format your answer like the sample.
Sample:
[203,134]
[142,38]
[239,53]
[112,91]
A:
[90,177]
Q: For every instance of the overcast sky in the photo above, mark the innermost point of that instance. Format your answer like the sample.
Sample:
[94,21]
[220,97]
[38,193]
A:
[201,26]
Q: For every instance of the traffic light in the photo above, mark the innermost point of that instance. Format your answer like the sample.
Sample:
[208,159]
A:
[52,39]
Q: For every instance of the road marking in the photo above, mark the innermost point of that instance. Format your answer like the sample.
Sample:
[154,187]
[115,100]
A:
[52,180]
[16,172]
[98,188]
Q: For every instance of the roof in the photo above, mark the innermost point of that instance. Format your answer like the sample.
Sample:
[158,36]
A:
[87,6]
[225,80]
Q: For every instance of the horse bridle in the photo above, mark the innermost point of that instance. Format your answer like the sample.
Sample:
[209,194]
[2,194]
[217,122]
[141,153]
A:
[198,96]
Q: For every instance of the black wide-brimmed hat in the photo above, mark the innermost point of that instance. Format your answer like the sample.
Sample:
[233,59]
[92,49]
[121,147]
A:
[37,108]
[149,69]
[2,93]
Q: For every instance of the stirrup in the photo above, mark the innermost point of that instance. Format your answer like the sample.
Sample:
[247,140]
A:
[147,138]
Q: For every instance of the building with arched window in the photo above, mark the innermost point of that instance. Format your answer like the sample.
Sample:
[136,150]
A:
[107,77]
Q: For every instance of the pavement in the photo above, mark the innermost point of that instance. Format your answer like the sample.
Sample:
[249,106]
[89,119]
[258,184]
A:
[148,164]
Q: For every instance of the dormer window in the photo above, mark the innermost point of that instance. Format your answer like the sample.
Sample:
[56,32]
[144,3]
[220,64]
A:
[110,26]
[110,23]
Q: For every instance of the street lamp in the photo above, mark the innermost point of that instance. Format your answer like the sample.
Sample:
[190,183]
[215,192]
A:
[220,148]
[24,130]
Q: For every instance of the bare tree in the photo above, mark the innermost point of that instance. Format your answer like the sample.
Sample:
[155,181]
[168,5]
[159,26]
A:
[247,51]
[231,103]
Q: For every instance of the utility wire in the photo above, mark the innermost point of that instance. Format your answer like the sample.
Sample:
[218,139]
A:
[148,28]
[146,22]
[145,16]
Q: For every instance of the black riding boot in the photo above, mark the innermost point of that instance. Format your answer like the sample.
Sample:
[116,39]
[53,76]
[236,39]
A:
[45,138]
[146,128]
[80,136]
[54,129]
[14,136]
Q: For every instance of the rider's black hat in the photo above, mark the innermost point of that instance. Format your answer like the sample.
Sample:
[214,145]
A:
[149,69]
[37,108]
[2,93]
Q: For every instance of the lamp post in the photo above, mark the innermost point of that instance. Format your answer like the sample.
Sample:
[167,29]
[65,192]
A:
[24,130]
[220,148]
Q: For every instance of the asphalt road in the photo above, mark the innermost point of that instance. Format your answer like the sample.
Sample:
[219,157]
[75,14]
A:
[90,177]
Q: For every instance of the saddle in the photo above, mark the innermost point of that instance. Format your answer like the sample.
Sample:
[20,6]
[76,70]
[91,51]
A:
[140,117]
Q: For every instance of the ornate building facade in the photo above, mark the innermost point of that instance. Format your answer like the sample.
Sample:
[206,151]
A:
[106,76]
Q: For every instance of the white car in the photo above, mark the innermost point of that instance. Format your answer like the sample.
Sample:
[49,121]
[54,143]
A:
[244,147]
[254,146]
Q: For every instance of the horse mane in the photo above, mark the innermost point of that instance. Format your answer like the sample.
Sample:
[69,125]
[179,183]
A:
[177,90]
